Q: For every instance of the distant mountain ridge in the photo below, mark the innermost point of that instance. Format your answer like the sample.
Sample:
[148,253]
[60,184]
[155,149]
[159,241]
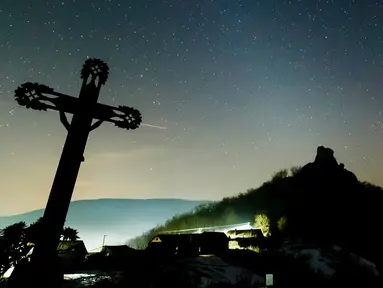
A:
[118,219]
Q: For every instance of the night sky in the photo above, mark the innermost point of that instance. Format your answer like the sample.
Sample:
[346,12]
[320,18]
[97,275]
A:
[243,88]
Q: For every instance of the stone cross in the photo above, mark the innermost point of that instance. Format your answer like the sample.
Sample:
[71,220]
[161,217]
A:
[85,109]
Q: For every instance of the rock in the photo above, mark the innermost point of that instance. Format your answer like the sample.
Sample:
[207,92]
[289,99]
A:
[325,170]
[325,157]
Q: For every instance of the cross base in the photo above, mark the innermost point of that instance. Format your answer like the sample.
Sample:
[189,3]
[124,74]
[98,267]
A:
[32,274]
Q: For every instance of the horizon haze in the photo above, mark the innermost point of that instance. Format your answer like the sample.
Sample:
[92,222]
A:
[118,219]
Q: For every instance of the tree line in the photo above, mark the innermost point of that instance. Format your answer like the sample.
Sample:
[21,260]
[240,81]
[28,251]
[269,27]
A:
[16,241]
[327,206]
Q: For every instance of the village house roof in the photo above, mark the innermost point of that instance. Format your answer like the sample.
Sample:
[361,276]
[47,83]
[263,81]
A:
[70,246]
[117,250]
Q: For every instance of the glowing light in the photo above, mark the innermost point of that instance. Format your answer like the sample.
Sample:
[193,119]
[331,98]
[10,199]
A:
[246,226]
[223,228]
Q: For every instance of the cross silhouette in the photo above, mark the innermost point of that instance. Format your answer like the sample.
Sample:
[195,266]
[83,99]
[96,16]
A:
[85,108]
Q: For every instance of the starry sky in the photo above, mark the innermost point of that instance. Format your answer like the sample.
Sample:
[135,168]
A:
[243,88]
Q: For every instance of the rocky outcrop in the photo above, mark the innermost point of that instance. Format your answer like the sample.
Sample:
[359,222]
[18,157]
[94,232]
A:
[325,170]
[327,194]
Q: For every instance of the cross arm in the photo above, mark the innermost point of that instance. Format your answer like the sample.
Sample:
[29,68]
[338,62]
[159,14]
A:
[122,116]
[40,97]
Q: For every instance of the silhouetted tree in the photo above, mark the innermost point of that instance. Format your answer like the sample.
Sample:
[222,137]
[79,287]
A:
[15,241]
[261,221]
[280,174]
[13,245]
[295,170]
[33,231]
[69,234]
[282,223]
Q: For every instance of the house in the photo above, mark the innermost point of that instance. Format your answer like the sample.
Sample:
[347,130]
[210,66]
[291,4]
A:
[117,251]
[250,233]
[174,244]
[215,243]
[189,244]
[242,239]
[119,257]
[72,254]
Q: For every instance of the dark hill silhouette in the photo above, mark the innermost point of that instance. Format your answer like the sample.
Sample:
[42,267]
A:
[321,201]
[119,219]
[324,191]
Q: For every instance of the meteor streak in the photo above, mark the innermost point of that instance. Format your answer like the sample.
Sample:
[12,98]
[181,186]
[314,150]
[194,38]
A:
[154,126]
